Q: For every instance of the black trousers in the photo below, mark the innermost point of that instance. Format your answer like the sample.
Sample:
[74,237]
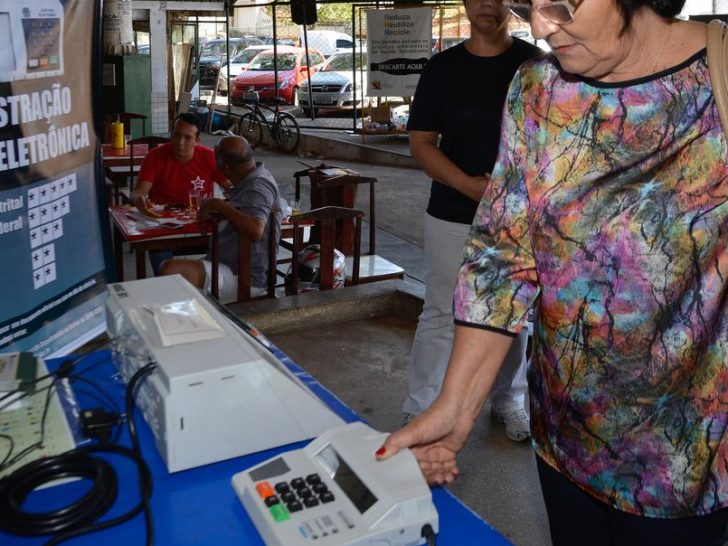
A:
[576,519]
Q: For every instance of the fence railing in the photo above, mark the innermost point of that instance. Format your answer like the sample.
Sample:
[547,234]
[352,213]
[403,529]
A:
[326,85]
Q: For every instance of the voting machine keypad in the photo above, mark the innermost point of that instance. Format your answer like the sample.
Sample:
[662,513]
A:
[287,497]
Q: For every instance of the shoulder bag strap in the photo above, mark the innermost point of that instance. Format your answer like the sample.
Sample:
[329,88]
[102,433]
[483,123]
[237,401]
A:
[718,67]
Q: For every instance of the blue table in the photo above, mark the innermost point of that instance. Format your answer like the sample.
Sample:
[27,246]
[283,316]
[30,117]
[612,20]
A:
[199,506]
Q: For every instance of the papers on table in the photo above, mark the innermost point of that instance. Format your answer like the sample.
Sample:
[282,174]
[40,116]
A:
[149,222]
[39,423]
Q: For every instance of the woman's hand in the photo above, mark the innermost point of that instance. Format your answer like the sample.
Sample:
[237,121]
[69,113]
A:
[435,437]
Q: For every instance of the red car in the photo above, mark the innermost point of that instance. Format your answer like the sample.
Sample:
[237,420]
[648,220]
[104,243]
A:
[292,70]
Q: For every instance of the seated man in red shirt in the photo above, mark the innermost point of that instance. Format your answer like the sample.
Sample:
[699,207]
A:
[170,172]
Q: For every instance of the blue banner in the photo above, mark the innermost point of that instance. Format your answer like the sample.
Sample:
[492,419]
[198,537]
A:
[52,273]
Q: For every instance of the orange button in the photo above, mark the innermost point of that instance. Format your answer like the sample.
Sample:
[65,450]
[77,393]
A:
[264,489]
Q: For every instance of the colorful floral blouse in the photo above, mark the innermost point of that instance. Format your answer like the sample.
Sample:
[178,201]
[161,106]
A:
[607,212]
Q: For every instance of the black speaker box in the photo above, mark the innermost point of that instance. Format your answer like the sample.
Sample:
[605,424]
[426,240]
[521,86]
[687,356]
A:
[303,12]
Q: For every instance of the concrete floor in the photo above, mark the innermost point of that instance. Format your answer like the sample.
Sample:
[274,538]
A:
[364,361]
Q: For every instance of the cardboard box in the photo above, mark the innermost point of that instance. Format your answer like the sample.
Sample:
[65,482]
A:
[381,113]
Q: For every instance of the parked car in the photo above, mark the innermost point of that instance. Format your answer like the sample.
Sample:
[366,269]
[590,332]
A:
[280,41]
[143,49]
[292,71]
[328,42]
[238,64]
[333,85]
[213,56]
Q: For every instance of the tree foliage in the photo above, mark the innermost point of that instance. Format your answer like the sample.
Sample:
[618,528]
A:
[334,13]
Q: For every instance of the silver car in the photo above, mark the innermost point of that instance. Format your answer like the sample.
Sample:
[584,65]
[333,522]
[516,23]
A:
[332,87]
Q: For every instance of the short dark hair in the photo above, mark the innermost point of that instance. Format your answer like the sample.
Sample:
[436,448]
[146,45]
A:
[192,119]
[667,9]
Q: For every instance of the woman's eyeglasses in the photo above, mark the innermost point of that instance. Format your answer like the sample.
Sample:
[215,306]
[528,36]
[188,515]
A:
[560,12]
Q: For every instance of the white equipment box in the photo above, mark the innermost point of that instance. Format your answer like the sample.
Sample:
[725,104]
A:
[334,492]
[216,393]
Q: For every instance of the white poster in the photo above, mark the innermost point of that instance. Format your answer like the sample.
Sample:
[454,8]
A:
[399,43]
[52,281]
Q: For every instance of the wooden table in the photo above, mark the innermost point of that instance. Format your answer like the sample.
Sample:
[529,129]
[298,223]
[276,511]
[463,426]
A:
[120,166]
[142,239]
[336,186]
[200,503]
[120,157]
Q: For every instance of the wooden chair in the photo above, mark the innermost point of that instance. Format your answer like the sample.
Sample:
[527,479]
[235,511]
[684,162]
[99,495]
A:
[327,219]
[123,176]
[245,258]
[336,186]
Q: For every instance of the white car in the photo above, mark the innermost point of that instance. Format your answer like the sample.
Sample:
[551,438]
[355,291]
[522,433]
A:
[333,85]
[238,64]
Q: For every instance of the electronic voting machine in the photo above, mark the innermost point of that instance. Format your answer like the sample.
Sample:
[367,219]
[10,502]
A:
[216,392]
[334,492]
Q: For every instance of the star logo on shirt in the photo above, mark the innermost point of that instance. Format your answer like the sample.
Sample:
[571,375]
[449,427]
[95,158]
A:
[198,184]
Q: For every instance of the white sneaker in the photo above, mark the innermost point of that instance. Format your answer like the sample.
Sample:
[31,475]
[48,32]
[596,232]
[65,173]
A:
[516,422]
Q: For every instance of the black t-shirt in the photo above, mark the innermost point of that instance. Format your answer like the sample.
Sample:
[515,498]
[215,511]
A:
[461,96]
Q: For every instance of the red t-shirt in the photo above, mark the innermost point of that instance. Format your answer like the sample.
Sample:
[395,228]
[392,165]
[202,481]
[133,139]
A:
[172,181]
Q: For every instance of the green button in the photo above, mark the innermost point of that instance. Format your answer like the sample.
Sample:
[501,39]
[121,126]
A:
[279,512]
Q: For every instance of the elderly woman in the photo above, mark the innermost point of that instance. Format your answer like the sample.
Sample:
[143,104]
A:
[606,212]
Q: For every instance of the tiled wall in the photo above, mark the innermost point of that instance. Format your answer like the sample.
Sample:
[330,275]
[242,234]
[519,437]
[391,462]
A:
[160,120]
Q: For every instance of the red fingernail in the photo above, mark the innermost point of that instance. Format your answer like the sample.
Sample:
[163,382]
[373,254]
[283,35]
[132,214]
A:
[379,452]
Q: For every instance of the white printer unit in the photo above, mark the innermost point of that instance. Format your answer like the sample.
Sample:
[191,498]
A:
[216,392]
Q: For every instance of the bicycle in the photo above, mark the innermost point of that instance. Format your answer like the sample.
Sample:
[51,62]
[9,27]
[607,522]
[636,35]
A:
[283,129]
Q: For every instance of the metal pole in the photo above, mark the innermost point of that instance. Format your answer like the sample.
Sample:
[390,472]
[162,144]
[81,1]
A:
[197,53]
[353,62]
[275,52]
[231,7]
[308,60]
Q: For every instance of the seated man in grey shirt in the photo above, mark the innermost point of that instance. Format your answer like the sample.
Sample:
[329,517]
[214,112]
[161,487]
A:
[251,198]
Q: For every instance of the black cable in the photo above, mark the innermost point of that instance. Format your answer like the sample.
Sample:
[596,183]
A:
[98,423]
[99,362]
[106,396]
[100,395]
[10,461]
[428,534]
[46,407]
[10,449]
[91,394]
[63,370]
[146,488]
[23,389]
[74,464]
[145,476]
[76,519]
